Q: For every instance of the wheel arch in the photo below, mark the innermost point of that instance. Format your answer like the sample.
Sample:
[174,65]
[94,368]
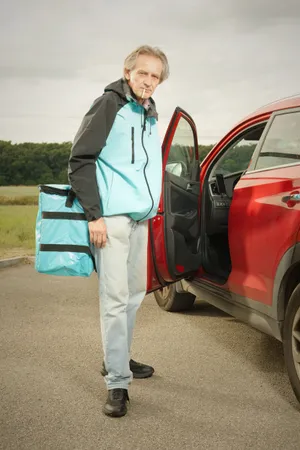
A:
[286,279]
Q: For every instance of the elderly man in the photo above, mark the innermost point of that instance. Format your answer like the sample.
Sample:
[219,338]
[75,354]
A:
[115,169]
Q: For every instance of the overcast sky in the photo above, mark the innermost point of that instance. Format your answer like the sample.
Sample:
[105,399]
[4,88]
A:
[227,58]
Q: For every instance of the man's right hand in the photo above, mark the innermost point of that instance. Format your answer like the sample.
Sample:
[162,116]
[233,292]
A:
[98,234]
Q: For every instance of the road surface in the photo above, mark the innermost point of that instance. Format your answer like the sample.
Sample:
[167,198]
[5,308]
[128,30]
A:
[219,384]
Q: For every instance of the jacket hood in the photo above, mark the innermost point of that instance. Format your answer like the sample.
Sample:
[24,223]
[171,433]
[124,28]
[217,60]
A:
[122,88]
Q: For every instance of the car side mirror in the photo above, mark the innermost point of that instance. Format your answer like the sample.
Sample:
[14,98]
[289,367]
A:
[175,168]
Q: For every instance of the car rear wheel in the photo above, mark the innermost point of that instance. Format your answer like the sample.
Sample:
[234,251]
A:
[291,340]
[171,300]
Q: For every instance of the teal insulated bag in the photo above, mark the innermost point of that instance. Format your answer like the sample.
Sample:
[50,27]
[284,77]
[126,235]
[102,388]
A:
[62,234]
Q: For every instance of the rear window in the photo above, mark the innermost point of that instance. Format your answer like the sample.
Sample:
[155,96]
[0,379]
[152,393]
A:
[282,143]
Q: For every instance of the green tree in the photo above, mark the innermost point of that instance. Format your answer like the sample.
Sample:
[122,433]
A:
[31,163]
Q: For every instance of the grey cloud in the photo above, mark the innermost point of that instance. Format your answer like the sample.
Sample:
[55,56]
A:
[262,11]
[61,38]
[232,15]
[64,39]
[30,72]
[226,58]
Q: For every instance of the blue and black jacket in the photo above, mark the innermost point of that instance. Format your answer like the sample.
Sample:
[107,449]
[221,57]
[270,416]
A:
[115,165]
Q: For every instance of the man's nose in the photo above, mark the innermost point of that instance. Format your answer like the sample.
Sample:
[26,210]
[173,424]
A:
[147,81]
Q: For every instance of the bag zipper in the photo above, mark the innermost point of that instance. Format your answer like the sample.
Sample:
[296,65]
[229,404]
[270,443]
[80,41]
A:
[132,145]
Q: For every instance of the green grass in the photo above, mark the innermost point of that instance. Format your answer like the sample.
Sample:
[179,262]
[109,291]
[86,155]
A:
[17,230]
[29,200]
[18,191]
[19,195]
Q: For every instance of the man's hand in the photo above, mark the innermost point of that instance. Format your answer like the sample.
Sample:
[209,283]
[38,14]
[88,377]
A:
[98,236]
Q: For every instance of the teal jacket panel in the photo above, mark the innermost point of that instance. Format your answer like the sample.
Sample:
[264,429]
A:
[129,168]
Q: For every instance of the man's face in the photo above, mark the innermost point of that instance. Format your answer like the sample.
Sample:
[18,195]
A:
[145,77]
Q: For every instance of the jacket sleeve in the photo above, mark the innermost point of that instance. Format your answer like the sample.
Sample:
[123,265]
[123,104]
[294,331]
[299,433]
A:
[88,143]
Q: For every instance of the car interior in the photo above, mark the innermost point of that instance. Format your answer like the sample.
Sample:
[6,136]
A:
[193,239]
[217,197]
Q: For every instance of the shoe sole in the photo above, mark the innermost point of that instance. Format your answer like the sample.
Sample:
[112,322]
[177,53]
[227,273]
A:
[138,376]
[115,414]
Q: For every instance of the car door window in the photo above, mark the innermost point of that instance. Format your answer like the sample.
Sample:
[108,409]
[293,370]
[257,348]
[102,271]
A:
[182,155]
[238,155]
[282,143]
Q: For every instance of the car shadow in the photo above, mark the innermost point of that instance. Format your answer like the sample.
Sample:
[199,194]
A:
[263,352]
[201,308]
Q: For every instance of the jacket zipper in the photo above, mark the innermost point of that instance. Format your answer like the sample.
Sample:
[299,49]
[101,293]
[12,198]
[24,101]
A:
[147,161]
[132,145]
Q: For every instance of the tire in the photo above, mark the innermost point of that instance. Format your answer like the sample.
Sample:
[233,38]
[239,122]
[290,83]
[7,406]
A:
[291,340]
[171,300]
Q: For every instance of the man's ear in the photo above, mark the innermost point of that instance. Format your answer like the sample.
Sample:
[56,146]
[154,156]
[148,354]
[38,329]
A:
[127,74]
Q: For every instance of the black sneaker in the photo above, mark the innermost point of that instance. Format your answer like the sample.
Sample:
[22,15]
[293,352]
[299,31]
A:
[115,405]
[138,370]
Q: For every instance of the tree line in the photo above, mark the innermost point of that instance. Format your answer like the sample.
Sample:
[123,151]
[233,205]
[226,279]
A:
[31,163]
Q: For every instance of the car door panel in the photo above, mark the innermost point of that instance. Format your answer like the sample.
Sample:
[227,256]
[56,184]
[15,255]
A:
[268,230]
[174,232]
[263,224]
[182,225]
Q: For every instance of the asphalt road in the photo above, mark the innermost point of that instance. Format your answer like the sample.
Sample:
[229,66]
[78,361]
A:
[219,384]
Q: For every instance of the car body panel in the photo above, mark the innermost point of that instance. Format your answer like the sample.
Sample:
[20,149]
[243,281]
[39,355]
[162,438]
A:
[277,105]
[241,308]
[256,247]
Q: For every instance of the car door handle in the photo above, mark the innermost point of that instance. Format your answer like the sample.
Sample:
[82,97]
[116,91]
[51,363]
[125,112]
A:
[291,198]
[189,186]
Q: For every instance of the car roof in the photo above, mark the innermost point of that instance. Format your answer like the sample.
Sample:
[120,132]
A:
[284,103]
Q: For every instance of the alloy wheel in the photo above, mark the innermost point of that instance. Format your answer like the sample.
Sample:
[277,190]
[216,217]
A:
[296,341]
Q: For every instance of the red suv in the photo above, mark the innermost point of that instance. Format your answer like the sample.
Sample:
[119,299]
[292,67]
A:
[227,230]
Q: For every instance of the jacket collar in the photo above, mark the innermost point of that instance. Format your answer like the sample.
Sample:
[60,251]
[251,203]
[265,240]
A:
[122,88]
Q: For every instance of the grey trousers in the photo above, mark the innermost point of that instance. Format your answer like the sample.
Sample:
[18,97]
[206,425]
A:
[122,272]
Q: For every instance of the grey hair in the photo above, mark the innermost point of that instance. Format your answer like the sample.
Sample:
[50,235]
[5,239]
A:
[130,61]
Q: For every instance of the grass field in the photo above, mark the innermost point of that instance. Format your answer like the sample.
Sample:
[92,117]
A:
[17,222]
[18,191]
[17,235]
[18,195]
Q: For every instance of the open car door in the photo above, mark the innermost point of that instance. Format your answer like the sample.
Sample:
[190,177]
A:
[174,234]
